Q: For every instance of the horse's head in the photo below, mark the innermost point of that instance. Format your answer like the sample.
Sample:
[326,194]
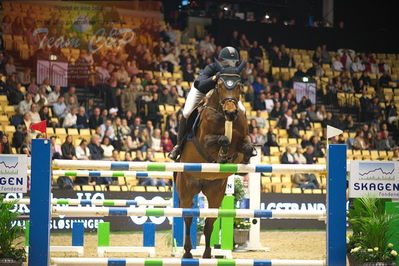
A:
[229,88]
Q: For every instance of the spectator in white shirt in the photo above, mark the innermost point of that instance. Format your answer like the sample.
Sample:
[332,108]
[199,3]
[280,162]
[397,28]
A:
[108,148]
[24,106]
[337,65]
[53,96]
[70,119]
[34,114]
[82,151]
[156,140]
[298,156]
[357,66]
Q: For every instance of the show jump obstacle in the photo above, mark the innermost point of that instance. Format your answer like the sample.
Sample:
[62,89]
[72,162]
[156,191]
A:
[41,209]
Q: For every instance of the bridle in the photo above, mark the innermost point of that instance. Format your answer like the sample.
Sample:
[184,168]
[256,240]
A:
[232,87]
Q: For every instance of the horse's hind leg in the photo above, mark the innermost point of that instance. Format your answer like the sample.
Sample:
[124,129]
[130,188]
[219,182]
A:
[214,192]
[186,189]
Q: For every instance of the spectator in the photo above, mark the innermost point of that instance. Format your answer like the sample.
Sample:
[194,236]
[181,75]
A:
[53,96]
[166,142]
[60,109]
[293,131]
[391,112]
[56,151]
[34,114]
[25,105]
[309,155]
[129,98]
[24,77]
[298,155]
[41,97]
[45,115]
[317,146]
[67,148]
[107,126]
[15,95]
[10,67]
[325,56]
[70,119]
[260,120]
[300,73]
[156,141]
[19,136]
[102,74]
[304,123]
[257,86]
[357,65]
[134,142]
[5,147]
[337,65]
[107,148]
[95,148]
[288,156]
[385,79]
[286,120]
[188,73]
[71,103]
[83,151]
[33,88]
[82,119]
[255,53]
[95,119]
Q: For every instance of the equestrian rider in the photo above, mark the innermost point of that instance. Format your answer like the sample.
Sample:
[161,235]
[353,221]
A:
[206,81]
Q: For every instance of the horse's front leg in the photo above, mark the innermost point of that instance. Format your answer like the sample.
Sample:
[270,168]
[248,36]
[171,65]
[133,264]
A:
[224,143]
[248,151]
[187,239]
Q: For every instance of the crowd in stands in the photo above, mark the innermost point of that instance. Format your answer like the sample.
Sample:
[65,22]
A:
[135,82]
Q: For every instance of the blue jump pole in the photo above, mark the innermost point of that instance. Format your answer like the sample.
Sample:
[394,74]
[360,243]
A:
[40,204]
[336,205]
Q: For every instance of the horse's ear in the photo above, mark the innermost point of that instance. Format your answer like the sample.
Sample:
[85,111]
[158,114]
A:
[241,67]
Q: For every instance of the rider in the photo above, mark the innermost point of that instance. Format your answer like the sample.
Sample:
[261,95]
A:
[206,81]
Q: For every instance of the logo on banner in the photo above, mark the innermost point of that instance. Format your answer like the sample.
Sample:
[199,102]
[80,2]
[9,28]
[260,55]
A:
[377,171]
[13,173]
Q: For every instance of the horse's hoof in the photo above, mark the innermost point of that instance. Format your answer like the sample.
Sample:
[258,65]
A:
[187,255]
[207,254]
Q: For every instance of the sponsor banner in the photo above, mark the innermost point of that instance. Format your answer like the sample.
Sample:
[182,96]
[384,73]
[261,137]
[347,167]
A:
[269,201]
[13,169]
[379,179]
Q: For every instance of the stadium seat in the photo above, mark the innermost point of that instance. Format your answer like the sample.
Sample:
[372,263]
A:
[137,188]
[87,188]
[114,188]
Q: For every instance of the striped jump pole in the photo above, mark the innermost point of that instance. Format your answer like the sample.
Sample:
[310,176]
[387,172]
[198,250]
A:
[183,262]
[187,212]
[190,167]
[108,202]
[112,174]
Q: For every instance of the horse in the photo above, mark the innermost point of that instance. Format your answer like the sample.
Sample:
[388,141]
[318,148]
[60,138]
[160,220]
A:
[221,136]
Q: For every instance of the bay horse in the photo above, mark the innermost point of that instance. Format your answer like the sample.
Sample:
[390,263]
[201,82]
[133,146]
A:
[221,136]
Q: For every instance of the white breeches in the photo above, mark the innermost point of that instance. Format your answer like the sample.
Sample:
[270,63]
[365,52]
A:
[194,97]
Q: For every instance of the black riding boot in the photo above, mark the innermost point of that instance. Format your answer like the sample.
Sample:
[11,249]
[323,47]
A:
[175,153]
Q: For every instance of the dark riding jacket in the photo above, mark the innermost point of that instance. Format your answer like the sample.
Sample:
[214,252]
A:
[204,82]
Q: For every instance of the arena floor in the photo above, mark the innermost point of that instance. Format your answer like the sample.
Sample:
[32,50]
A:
[283,245]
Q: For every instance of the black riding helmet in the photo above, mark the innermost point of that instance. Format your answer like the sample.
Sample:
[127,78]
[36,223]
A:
[229,57]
